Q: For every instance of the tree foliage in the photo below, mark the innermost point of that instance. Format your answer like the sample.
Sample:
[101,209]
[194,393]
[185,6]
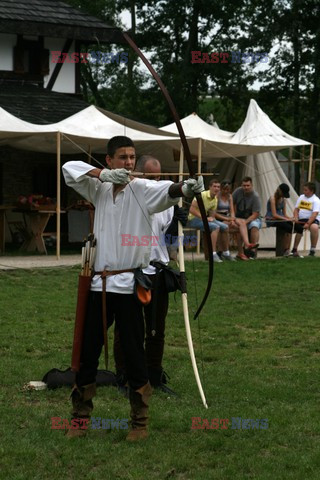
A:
[287,87]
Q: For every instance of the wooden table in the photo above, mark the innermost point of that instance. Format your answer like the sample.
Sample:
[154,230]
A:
[36,222]
[3,209]
[2,229]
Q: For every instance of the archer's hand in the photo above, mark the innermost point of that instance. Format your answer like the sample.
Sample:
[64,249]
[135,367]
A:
[192,186]
[118,176]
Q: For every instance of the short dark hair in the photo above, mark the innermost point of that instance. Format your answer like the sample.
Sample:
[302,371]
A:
[246,179]
[213,180]
[311,186]
[141,162]
[226,182]
[118,142]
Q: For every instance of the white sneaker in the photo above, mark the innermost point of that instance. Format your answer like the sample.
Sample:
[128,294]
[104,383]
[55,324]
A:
[296,254]
[216,258]
[229,258]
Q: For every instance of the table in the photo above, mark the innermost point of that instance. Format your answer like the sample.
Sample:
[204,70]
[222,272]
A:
[2,230]
[3,209]
[35,222]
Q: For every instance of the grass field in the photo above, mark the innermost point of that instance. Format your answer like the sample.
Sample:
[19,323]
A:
[258,349]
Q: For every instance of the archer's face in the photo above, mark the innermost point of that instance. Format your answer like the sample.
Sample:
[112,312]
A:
[124,157]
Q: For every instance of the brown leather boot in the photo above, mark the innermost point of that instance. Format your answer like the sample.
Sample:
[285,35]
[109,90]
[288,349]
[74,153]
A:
[82,407]
[139,401]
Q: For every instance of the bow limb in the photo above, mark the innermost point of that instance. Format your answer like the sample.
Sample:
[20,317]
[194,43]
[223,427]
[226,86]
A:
[184,297]
[189,163]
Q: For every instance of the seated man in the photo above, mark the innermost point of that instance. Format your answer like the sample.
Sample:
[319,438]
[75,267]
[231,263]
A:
[306,212]
[247,205]
[209,198]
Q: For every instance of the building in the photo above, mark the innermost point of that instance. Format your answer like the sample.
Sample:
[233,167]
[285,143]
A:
[36,87]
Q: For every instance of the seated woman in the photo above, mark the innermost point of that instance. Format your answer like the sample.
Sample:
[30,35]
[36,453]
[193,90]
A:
[276,216]
[225,213]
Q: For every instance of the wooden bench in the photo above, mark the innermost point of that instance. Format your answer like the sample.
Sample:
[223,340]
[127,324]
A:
[280,234]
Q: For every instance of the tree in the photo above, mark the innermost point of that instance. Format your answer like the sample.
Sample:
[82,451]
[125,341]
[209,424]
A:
[291,90]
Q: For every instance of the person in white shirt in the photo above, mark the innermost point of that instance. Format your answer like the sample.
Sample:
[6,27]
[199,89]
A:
[123,211]
[306,212]
[156,311]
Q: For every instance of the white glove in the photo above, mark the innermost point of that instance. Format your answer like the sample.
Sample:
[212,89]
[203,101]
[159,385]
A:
[192,186]
[118,176]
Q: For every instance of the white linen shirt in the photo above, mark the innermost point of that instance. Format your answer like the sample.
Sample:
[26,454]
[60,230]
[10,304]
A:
[130,213]
[159,251]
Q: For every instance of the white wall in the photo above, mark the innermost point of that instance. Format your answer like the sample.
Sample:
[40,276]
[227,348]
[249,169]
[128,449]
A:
[65,82]
[7,42]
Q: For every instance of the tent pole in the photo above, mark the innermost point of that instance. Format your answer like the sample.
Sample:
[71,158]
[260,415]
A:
[199,171]
[302,180]
[181,163]
[310,163]
[89,154]
[58,208]
[309,180]
[289,164]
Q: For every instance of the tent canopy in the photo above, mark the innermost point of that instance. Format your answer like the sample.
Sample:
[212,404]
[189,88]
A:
[91,128]
[13,127]
[87,128]
[258,129]
[257,134]
[194,126]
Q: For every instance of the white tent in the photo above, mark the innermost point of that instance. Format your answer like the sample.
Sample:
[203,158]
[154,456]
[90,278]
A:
[257,131]
[12,128]
[90,129]
[267,175]
[86,131]
[216,143]
[87,128]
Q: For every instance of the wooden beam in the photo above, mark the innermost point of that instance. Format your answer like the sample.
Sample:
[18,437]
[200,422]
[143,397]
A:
[58,66]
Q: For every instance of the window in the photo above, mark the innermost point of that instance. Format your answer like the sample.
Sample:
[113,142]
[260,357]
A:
[29,57]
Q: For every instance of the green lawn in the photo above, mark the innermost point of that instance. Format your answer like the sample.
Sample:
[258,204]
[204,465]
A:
[258,349]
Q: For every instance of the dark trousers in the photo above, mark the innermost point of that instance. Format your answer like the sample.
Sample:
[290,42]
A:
[157,310]
[154,344]
[127,314]
[287,226]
